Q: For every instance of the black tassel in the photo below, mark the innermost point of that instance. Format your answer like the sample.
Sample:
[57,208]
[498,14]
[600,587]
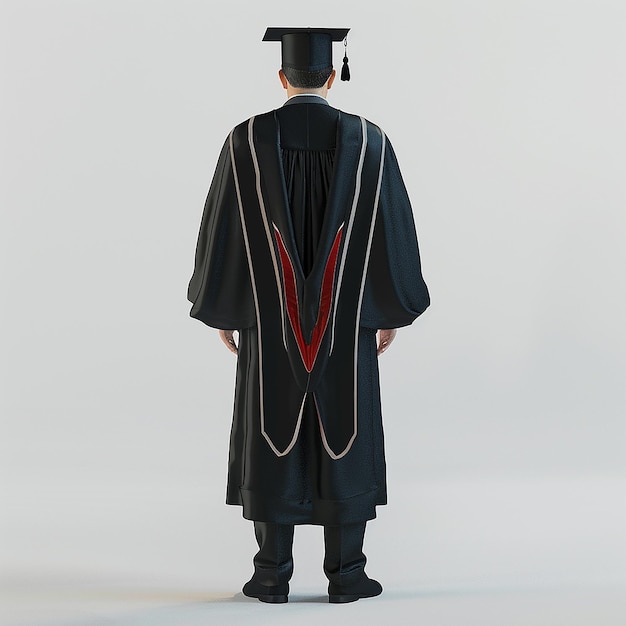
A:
[345,70]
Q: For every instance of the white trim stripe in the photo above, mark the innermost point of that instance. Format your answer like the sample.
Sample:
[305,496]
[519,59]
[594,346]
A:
[258,318]
[252,278]
[358,316]
[355,201]
[270,242]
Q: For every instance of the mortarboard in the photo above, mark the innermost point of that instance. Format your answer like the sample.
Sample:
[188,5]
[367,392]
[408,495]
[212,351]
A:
[309,49]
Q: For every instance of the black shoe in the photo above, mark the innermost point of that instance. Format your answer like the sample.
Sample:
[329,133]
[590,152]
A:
[364,588]
[276,594]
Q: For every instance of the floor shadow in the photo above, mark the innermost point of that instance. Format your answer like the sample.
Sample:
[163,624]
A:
[296,597]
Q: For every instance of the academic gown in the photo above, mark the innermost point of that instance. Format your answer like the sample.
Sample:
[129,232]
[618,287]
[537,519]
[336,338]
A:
[307,246]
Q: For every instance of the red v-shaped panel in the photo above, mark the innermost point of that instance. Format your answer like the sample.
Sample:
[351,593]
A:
[308,351]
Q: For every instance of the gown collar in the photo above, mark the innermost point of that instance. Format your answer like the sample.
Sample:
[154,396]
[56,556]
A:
[306,98]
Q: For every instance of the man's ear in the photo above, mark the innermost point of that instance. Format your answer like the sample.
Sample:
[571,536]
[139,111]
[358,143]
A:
[331,79]
[283,78]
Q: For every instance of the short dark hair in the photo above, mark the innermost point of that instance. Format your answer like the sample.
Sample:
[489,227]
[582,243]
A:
[307,80]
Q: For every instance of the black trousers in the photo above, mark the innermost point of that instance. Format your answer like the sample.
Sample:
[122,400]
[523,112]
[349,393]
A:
[344,561]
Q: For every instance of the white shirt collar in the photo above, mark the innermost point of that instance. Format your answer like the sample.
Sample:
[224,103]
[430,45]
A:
[307,94]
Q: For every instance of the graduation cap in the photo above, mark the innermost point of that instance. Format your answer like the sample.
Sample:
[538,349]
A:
[310,49]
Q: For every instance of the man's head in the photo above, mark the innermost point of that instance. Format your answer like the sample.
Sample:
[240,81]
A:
[306,57]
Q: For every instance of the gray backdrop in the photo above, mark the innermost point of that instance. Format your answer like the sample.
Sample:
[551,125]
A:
[504,403]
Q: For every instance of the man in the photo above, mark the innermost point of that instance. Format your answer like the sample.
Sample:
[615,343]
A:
[307,248]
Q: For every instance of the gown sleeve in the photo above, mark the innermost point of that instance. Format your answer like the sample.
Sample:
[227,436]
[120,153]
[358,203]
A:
[395,292]
[220,287]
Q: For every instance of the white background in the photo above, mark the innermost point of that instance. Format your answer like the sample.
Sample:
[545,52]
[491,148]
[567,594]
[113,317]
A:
[504,403]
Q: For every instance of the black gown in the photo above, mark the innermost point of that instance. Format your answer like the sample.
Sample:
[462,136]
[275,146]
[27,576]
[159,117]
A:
[307,441]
